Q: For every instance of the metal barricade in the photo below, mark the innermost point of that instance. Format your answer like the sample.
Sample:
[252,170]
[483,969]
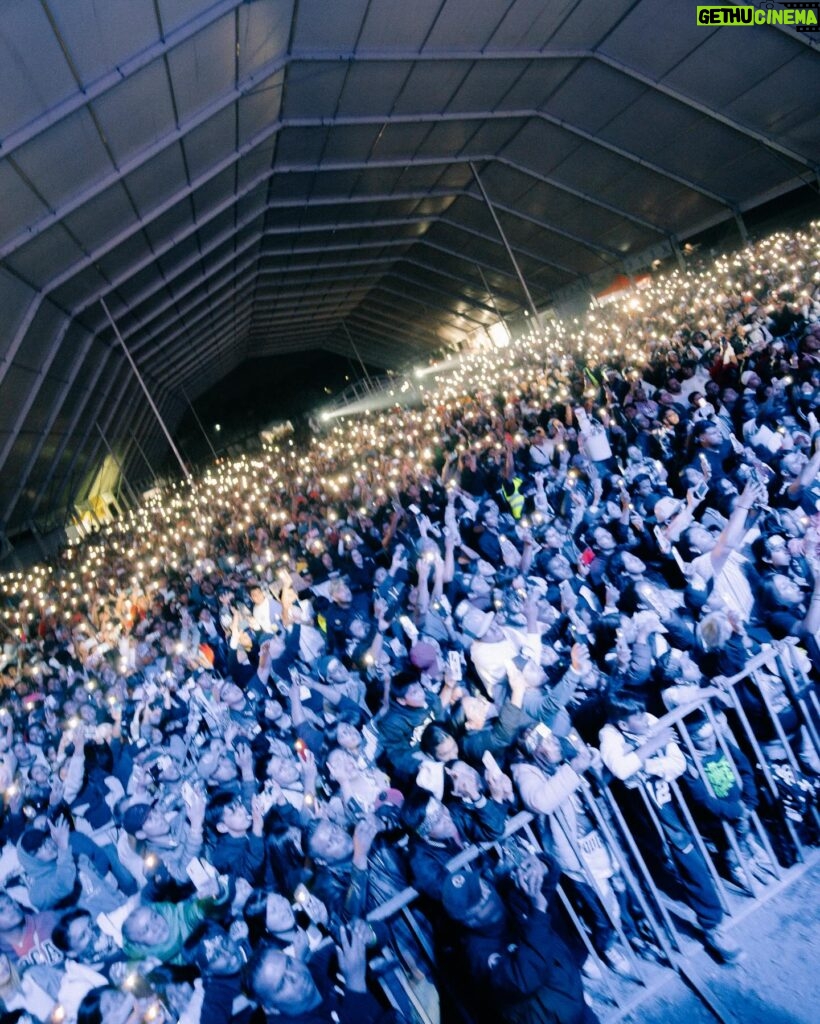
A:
[625,851]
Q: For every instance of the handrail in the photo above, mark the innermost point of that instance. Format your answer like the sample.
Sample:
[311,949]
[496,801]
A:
[518,821]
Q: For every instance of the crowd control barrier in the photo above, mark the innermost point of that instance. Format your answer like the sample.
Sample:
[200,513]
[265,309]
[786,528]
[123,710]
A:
[664,926]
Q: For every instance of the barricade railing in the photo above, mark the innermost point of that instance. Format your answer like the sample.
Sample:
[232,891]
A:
[642,888]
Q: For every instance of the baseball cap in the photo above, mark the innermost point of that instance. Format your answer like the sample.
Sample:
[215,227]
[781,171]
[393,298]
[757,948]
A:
[461,893]
[475,623]
[423,655]
[665,509]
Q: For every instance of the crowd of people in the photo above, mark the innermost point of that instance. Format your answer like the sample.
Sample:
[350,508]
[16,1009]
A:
[249,713]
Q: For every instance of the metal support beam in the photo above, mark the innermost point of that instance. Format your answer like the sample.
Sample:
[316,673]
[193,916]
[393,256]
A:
[353,346]
[579,54]
[110,451]
[134,435]
[199,422]
[130,359]
[498,312]
[741,226]
[100,86]
[676,249]
[510,253]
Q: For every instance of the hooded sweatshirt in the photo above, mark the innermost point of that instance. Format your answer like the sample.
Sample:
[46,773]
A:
[49,882]
[182,919]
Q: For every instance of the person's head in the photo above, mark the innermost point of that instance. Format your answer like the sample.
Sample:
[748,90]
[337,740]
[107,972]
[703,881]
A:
[782,591]
[328,843]
[629,564]
[107,1005]
[145,822]
[406,690]
[210,948]
[540,743]
[699,539]
[472,900]
[145,927]
[341,765]
[75,933]
[279,917]
[11,913]
[629,716]
[706,434]
[231,695]
[268,913]
[281,983]
[228,815]
[714,631]
[773,551]
[339,593]
[703,736]
[283,766]
[425,816]
[348,731]
[438,742]
[603,539]
[475,708]
[558,568]
[37,843]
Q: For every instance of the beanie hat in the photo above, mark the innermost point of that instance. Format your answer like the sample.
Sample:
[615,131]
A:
[423,656]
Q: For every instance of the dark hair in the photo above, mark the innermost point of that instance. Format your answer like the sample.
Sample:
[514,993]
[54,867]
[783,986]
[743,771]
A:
[402,681]
[218,804]
[254,967]
[255,915]
[59,935]
[700,428]
[414,808]
[434,734]
[620,708]
[193,949]
[90,1011]
[32,840]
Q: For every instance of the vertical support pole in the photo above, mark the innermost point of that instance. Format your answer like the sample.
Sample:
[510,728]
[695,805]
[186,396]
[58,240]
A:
[506,244]
[199,424]
[130,358]
[39,539]
[356,351]
[492,299]
[145,460]
[676,249]
[131,490]
[741,226]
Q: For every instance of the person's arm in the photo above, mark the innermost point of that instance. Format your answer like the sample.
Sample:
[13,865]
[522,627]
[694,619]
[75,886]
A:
[674,529]
[73,782]
[542,794]
[63,873]
[735,529]
[809,474]
[622,761]
[811,623]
